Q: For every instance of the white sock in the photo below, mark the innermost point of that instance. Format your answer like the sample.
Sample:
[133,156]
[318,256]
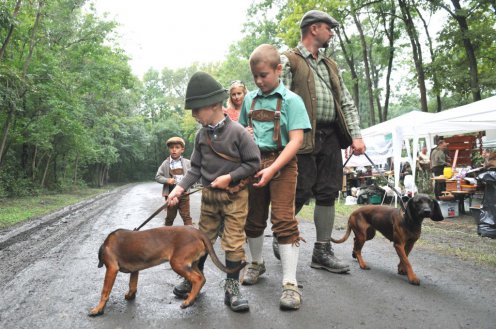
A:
[256,245]
[289,259]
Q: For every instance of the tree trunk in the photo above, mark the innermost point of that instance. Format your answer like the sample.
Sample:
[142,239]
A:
[11,30]
[367,70]
[469,49]
[417,52]
[32,41]
[351,64]
[74,180]
[389,29]
[102,174]
[46,171]
[33,163]
[5,134]
[436,88]
[375,79]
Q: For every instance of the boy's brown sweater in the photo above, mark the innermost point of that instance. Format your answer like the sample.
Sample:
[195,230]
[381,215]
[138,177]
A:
[230,139]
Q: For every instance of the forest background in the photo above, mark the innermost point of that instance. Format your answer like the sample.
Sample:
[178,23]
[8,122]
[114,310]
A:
[73,114]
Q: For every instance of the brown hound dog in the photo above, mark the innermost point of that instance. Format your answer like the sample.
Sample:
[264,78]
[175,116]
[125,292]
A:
[402,228]
[132,251]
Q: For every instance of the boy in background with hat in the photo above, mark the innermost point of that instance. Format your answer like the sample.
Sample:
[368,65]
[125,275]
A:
[224,154]
[277,118]
[171,172]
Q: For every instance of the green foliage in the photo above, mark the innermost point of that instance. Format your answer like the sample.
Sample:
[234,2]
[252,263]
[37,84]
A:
[451,58]
[72,113]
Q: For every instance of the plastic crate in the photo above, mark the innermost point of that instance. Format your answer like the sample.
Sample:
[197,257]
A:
[375,199]
[449,209]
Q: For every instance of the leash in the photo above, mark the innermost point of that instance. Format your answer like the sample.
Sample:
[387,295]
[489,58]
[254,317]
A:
[402,204]
[162,208]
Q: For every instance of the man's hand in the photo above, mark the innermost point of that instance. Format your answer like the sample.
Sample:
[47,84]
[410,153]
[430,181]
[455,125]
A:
[174,196]
[171,181]
[358,146]
[222,182]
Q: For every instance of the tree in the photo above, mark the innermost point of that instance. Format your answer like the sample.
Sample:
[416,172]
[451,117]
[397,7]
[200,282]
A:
[461,16]
[407,16]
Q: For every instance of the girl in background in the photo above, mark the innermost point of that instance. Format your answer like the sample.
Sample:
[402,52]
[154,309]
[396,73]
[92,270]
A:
[237,92]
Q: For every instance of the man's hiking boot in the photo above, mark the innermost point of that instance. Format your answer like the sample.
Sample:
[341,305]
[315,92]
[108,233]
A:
[323,258]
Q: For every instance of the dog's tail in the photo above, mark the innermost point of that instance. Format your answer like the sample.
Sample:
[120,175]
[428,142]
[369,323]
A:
[100,256]
[216,260]
[345,237]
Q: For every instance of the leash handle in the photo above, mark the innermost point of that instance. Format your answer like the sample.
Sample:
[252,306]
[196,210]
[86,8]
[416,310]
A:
[344,165]
[370,160]
[163,207]
[402,204]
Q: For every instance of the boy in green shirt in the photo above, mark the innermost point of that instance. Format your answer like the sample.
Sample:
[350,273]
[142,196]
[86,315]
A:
[277,119]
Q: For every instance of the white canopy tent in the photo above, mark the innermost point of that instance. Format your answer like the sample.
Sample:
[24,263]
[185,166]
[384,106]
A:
[408,128]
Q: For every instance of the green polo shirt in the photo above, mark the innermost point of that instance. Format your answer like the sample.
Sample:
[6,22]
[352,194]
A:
[293,116]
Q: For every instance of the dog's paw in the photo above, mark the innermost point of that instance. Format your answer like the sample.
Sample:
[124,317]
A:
[129,296]
[415,281]
[95,312]
[184,304]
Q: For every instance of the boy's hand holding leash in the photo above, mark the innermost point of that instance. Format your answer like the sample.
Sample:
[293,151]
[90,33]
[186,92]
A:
[222,182]
[250,131]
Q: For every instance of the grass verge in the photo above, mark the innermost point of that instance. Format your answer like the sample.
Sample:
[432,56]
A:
[13,211]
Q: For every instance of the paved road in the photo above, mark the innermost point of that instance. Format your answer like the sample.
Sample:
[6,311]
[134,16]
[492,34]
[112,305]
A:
[49,279]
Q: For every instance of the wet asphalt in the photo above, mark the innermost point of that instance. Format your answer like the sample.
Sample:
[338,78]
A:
[52,282]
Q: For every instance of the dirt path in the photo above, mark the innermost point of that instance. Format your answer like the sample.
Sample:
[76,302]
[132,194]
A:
[49,279]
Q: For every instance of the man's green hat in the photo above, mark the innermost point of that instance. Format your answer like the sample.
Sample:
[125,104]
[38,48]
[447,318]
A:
[203,90]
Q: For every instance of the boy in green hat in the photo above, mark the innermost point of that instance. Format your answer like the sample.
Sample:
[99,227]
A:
[278,119]
[223,155]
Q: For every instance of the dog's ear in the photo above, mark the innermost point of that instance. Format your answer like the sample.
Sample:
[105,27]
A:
[436,214]
[411,212]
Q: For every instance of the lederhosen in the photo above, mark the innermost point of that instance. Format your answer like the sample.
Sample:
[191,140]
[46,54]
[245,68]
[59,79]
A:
[183,205]
[172,173]
[280,191]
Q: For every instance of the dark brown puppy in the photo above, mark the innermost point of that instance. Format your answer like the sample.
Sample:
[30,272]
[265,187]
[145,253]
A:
[402,228]
[132,251]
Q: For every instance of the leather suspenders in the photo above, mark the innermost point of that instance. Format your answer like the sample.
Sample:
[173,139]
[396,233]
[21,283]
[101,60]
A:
[264,115]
